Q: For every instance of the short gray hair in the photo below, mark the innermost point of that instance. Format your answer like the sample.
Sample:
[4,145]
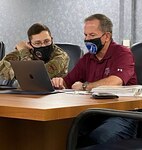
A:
[105,23]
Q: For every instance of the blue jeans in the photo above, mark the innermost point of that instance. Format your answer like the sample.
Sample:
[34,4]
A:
[112,130]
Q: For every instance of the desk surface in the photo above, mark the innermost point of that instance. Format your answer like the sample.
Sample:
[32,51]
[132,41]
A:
[58,106]
[57,110]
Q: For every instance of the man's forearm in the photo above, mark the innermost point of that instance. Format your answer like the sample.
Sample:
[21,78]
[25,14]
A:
[111,80]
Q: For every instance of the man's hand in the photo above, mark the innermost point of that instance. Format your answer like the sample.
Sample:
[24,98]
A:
[77,86]
[58,83]
[23,45]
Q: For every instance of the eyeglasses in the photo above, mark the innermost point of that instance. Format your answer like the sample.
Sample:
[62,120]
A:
[40,43]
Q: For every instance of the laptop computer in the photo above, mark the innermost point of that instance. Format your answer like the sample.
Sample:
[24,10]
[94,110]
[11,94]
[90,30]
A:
[32,77]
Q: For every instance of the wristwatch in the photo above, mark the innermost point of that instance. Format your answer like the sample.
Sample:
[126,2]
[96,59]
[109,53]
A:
[84,85]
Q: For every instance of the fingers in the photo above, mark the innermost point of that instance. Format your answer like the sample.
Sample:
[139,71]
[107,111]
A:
[28,45]
[58,83]
[23,45]
[77,86]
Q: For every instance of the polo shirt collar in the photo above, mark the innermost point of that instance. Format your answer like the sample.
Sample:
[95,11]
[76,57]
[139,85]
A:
[108,53]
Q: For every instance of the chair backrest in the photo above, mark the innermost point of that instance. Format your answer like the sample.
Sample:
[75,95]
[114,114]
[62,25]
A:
[74,52]
[8,82]
[137,52]
[2,54]
[91,118]
[2,50]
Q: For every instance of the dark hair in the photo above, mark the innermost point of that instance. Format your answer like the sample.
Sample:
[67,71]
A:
[36,29]
[105,23]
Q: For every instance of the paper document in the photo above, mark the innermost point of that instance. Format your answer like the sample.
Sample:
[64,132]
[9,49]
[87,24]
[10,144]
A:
[132,90]
[77,92]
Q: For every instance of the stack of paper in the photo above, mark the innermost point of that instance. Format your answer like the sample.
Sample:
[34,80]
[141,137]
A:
[133,90]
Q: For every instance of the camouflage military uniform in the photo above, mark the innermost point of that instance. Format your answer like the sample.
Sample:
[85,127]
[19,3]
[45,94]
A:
[57,66]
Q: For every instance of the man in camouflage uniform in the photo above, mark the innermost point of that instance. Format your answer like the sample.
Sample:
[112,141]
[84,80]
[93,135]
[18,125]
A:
[39,47]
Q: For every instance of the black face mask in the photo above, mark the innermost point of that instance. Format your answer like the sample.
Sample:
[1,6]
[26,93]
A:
[94,46]
[43,53]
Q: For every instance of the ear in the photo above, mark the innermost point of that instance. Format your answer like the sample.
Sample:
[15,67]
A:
[108,36]
[51,38]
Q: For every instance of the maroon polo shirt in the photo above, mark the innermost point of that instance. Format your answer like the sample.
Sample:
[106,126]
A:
[117,61]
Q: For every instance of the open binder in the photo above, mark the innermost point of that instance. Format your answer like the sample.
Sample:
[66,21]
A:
[132,90]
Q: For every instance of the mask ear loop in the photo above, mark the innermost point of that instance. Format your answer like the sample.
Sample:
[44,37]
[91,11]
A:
[51,40]
[30,44]
[31,50]
[101,37]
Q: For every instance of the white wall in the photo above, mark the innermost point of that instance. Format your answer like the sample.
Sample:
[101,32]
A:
[65,19]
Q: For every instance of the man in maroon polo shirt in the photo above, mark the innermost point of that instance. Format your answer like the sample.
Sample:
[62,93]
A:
[116,67]
[106,63]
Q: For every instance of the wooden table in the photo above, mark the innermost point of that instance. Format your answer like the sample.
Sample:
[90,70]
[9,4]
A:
[33,122]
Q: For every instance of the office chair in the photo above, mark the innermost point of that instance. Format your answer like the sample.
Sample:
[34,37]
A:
[8,83]
[2,54]
[90,119]
[137,52]
[2,50]
[74,52]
